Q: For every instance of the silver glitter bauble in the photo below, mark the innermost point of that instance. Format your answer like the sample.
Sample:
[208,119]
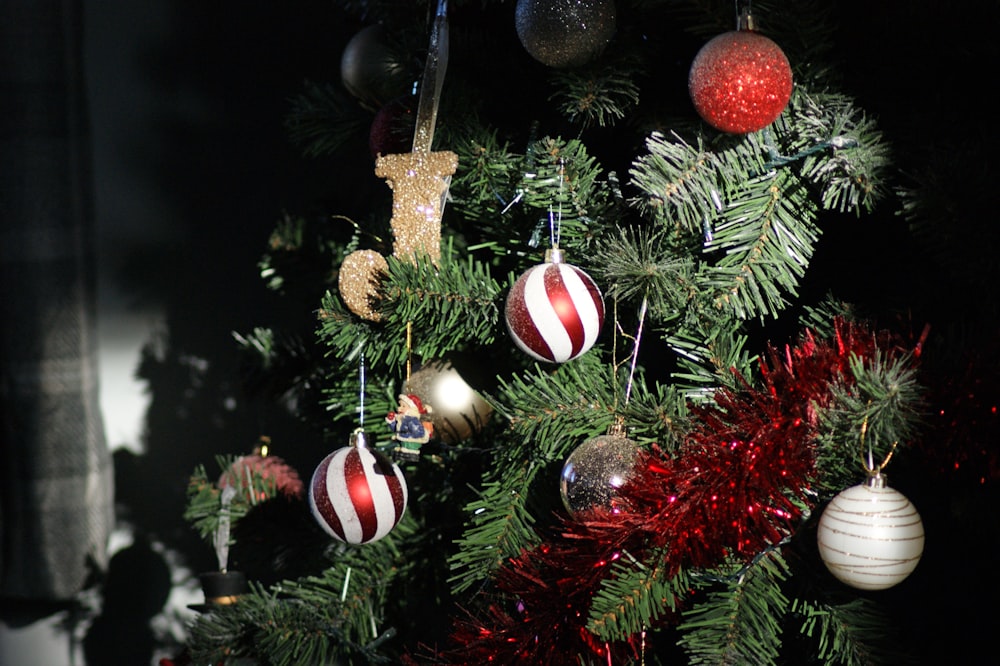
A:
[565,33]
[595,471]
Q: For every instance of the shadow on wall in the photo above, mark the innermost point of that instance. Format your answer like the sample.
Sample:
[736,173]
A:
[193,169]
[135,589]
[216,154]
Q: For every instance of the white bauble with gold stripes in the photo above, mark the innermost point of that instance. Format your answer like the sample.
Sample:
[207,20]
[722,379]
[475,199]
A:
[871,536]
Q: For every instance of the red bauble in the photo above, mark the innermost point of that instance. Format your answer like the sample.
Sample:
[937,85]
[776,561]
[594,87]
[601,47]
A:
[554,311]
[392,128]
[264,475]
[357,495]
[740,82]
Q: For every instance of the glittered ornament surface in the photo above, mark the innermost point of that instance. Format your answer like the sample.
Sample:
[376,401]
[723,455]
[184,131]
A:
[595,471]
[358,281]
[391,130]
[357,495]
[264,476]
[370,70]
[554,312]
[419,183]
[565,33]
[740,82]
[870,536]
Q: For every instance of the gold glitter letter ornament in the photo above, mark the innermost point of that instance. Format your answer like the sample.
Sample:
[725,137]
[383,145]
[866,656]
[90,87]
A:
[419,183]
[358,281]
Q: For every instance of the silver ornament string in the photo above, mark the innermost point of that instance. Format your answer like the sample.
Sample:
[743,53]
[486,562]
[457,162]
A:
[744,15]
[555,225]
[634,356]
[635,349]
[347,582]
[361,392]
[432,81]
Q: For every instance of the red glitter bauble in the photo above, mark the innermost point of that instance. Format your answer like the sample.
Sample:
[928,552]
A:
[264,475]
[740,82]
[392,128]
[356,494]
[554,311]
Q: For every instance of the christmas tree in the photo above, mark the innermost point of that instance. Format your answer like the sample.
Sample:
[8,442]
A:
[575,392]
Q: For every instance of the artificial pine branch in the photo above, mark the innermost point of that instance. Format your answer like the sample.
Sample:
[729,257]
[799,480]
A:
[842,151]
[546,415]
[739,621]
[677,184]
[551,408]
[600,95]
[848,634]
[266,627]
[765,240]
[437,298]
[640,264]
[498,527]
[485,182]
[322,118]
[875,406]
[637,597]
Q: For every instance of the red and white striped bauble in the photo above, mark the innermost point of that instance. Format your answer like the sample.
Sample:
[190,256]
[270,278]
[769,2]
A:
[554,311]
[357,495]
[870,536]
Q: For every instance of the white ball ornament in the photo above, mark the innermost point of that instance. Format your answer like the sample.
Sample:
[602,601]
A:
[357,495]
[870,536]
[554,311]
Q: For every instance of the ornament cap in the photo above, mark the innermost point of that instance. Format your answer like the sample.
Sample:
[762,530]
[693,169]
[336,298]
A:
[876,480]
[616,429]
[746,21]
[359,439]
[554,255]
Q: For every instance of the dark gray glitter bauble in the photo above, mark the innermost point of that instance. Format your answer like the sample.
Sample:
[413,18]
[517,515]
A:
[371,70]
[565,33]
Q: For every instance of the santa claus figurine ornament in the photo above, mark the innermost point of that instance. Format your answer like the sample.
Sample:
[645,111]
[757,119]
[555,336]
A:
[740,81]
[410,428]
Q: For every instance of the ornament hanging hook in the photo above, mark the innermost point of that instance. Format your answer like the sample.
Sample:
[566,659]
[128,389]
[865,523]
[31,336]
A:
[554,254]
[868,453]
[744,15]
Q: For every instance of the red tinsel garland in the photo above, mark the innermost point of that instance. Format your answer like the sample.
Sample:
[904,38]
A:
[736,487]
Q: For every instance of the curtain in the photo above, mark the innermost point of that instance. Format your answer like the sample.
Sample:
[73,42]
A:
[56,494]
